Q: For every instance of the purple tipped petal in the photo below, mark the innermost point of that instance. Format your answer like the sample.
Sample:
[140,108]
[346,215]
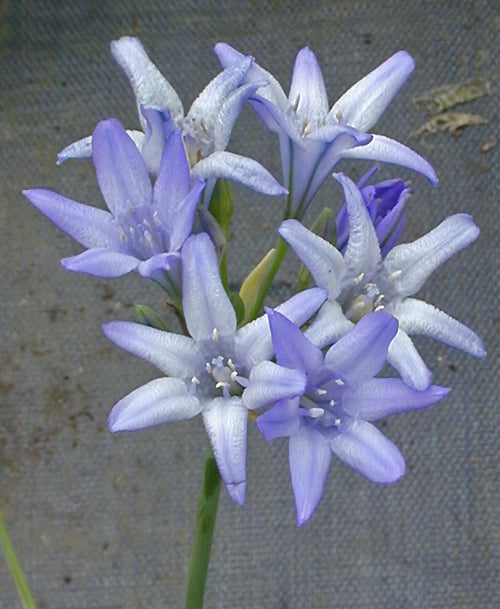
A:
[173,354]
[359,355]
[384,149]
[90,226]
[82,149]
[382,397]
[121,173]
[364,448]
[205,302]
[239,169]
[292,348]
[364,103]
[406,359]
[419,317]
[419,259]
[101,263]
[310,457]
[226,425]
[270,382]
[280,421]
[322,259]
[307,91]
[160,401]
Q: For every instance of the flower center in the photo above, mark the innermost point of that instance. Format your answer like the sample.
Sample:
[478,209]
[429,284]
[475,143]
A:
[323,407]
[142,231]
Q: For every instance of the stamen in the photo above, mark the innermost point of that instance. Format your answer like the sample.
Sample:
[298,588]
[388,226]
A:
[337,422]
[359,278]
[315,413]
[395,274]
[332,403]
[208,368]
[339,382]
[321,391]
[234,375]
[221,384]
[195,380]
[215,335]
[231,365]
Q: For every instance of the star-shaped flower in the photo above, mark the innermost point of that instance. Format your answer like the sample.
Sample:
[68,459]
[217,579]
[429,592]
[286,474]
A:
[145,226]
[334,411]
[361,281]
[206,128]
[207,372]
[314,139]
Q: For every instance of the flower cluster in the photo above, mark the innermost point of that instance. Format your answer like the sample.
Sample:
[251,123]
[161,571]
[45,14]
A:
[307,369]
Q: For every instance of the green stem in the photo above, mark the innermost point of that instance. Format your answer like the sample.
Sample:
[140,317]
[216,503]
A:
[281,249]
[203,533]
[22,587]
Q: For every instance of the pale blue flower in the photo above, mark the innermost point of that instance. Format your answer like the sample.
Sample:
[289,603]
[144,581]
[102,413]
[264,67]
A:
[361,281]
[334,411]
[206,128]
[314,139]
[207,372]
[145,226]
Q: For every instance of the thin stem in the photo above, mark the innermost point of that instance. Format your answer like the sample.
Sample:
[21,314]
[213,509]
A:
[22,587]
[203,533]
[279,254]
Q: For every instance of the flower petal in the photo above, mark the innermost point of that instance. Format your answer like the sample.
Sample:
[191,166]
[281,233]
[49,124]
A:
[184,216]
[239,169]
[360,354]
[226,425]
[364,103]
[419,317]
[100,262]
[120,170]
[292,348]
[158,126]
[161,262]
[205,302]
[90,226]
[173,354]
[381,397]
[281,420]
[384,149]
[81,149]
[404,356]
[307,92]
[419,259]
[364,448]
[150,87]
[270,382]
[323,260]
[329,326]
[253,342]
[159,401]
[309,455]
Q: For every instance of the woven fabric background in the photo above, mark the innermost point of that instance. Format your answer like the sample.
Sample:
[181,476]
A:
[105,522]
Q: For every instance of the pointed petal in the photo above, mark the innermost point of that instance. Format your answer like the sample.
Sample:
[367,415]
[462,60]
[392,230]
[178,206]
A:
[158,126]
[253,342]
[419,259]
[150,86]
[360,355]
[323,260]
[174,181]
[362,254]
[329,326]
[280,421]
[384,149]
[364,448]
[422,318]
[121,173]
[364,103]
[159,401]
[205,302]
[226,425]
[307,91]
[239,169]
[90,226]
[270,382]
[100,262]
[184,216]
[309,456]
[81,149]
[382,397]
[404,356]
[173,354]
[160,262]
[292,348]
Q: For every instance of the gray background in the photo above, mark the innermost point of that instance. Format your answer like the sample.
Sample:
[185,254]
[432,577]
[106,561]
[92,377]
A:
[105,522]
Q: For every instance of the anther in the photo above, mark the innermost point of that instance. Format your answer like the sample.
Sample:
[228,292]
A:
[320,391]
[231,365]
[315,413]
[359,278]
[339,382]
[208,368]
[195,380]
[395,274]
[215,335]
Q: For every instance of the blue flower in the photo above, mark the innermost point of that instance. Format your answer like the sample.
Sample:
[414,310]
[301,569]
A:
[361,281]
[334,411]
[207,372]
[386,205]
[145,227]
[313,138]
[206,128]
